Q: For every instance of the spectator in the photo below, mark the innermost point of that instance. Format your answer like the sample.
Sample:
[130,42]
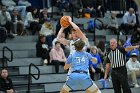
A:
[24,3]
[43,16]
[57,56]
[8,3]
[18,26]
[32,21]
[113,23]
[129,21]
[101,50]
[63,5]
[47,30]
[120,43]
[65,48]
[76,6]
[98,67]
[5,20]
[99,6]
[42,49]
[133,68]
[6,85]
[135,38]
[88,8]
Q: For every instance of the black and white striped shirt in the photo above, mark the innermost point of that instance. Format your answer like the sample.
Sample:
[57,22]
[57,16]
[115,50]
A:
[117,57]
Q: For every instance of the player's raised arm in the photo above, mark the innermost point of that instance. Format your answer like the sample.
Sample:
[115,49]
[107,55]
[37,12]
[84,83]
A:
[80,33]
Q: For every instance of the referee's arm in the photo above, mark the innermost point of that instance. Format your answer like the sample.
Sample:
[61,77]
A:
[107,69]
[131,48]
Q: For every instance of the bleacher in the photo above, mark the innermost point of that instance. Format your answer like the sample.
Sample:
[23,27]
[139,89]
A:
[24,53]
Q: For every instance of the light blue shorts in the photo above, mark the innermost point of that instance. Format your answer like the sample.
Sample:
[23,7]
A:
[79,81]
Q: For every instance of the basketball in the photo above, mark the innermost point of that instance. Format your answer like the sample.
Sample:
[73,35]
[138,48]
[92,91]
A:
[64,21]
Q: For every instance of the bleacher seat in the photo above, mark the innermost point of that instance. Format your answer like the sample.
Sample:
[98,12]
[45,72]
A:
[19,46]
[25,62]
[43,70]
[51,78]
[19,39]
[21,53]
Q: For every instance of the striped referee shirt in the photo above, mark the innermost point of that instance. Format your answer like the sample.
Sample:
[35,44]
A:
[117,57]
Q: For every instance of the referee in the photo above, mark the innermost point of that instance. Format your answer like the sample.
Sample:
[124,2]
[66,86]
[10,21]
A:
[116,60]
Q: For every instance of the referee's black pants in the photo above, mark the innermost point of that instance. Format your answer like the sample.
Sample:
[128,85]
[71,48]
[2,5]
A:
[119,79]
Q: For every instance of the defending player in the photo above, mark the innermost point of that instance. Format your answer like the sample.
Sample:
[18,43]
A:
[79,78]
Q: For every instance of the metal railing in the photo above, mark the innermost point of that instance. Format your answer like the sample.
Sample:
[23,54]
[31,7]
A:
[32,75]
[4,57]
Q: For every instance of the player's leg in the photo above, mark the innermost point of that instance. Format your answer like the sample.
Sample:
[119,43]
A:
[93,89]
[65,89]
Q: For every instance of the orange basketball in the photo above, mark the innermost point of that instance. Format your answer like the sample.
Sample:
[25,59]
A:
[64,21]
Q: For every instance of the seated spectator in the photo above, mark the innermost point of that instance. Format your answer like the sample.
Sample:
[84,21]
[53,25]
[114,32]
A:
[133,67]
[65,48]
[11,4]
[47,30]
[63,5]
[43,16]
[88,8]
[76,6]
[129,21]
[120,43]
[32,21]
[101,50]
[3,35]
[113,23]
[42,49]
[5,20]
[18,26]
[8,3]
[95,67]
[57,56]
[6,85]
[99,6]
[135,38]
[24,3]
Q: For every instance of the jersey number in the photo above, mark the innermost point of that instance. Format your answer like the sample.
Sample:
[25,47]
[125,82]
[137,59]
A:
[80,60]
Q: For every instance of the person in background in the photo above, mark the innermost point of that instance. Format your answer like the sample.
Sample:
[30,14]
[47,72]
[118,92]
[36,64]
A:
[129,21]
[42,49]
[18,26]
[113,23]
[32,21]
[98,67]
[133,68]
[6,85]
[135,38]
[5,20]
[24,3]
[65,48]
[101,50]
[99,6]
[88,8]
[120,43]
[76,6]
[43,16]
[57,56]
[48,31]
[8,2]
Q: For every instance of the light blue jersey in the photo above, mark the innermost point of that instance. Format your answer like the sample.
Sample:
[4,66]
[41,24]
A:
[80,64]
[79,60]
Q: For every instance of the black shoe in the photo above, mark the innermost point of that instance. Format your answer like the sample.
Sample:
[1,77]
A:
[11,36]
